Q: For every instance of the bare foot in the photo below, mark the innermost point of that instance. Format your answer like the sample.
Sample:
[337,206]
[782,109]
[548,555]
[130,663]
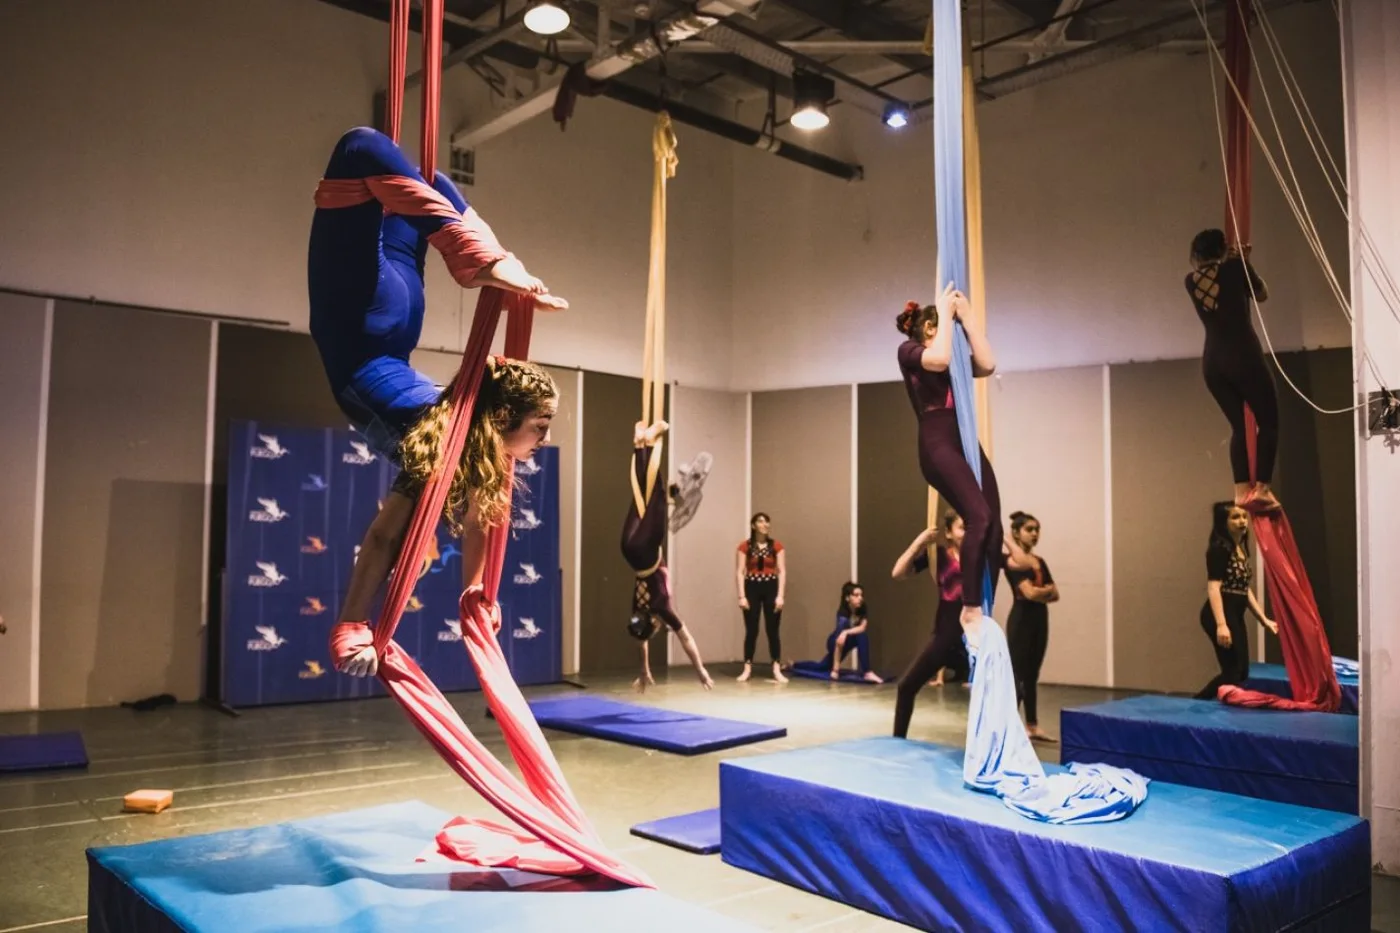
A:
[1036,734]
[937,681]
[835,674]
[639,434]
[778,673]
[657,431]
[705,680]
[873,677]
[748,672]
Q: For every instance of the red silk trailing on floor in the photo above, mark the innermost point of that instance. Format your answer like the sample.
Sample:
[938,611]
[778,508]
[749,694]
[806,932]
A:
[1306,654]
[557,837]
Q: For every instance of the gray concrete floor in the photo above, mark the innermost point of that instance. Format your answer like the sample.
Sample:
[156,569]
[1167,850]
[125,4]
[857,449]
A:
[286,763]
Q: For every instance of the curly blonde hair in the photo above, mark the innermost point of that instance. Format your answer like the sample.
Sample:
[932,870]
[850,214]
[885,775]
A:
[511,391]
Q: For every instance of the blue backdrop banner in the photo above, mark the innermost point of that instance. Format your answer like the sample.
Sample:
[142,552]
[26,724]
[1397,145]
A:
[299,501]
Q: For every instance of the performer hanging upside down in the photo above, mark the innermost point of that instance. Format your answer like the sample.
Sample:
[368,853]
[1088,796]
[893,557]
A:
[924,359]
[643,533]
[1221,285]
[375,218]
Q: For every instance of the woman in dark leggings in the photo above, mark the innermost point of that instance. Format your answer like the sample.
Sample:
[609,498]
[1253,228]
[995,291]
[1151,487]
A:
[1229,574]
[945,646]
[761,571]
[1028,626]
[1221,285]
[924,360]
[643,534]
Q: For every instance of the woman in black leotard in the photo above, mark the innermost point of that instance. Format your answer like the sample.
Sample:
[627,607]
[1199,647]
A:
[1229,575]
[1221,285]
[643,533]
[1028,626]
[924,360]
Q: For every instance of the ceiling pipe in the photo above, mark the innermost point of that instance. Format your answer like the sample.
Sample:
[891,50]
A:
[737,132]
[608,63]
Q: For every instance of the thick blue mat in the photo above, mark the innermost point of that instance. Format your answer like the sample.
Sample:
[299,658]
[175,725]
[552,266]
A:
[353,873]
[661,729]
[696,832]
[1272,678]
[1310,759]
[43,752]
[887,826]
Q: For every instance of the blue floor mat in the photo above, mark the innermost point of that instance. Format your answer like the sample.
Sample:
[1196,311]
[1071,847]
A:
[647,726]
[43,752]
[1272,678]
[696,832]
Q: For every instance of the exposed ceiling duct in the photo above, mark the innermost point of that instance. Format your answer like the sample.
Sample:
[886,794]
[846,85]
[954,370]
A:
[609,63]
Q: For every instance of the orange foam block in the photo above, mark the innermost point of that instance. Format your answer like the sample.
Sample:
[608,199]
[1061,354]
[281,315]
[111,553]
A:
[148,801]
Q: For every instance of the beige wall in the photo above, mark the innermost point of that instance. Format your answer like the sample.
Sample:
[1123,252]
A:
[1170,462]
[702,554]
[801,469]
[23,396]
[204,127]
[1048,432]
[123,506]
[1093,185]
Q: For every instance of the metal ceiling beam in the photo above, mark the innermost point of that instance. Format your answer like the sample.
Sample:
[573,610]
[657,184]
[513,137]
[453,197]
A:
[513,25]
[454,34]
[608,63]
[858,22]
[1184,26]
[641,98]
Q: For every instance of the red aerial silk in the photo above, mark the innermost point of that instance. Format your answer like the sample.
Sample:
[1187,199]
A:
[1307,656]
[555,837]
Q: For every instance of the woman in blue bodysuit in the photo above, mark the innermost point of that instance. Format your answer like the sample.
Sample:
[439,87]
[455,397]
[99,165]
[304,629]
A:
[375,218]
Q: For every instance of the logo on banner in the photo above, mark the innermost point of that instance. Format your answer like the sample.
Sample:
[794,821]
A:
[454,630]
[312,671]
[270,640]
[314,482]
[447,553]
[525,520]
[270,511]
[527,467]
[313,546]
[528,575]
[414,604]
[526,629]
[360,455]
[270,575]
[313,607]
[269,448]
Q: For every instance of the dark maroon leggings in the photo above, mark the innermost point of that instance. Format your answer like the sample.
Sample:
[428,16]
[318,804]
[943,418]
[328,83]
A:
[941,459]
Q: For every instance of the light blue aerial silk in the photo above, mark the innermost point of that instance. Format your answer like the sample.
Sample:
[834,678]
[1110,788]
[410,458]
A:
[999,758]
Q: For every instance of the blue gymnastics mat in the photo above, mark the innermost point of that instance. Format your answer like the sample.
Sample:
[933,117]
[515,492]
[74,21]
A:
[887,826]
[661,729]
[45,751]
[696,832]
[1311,759]
[354,873]
[1272,678]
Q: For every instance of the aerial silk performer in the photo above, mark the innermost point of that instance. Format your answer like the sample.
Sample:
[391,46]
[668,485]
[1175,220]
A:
[1307,656]
[999,758]
[644,527]
[375,218]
